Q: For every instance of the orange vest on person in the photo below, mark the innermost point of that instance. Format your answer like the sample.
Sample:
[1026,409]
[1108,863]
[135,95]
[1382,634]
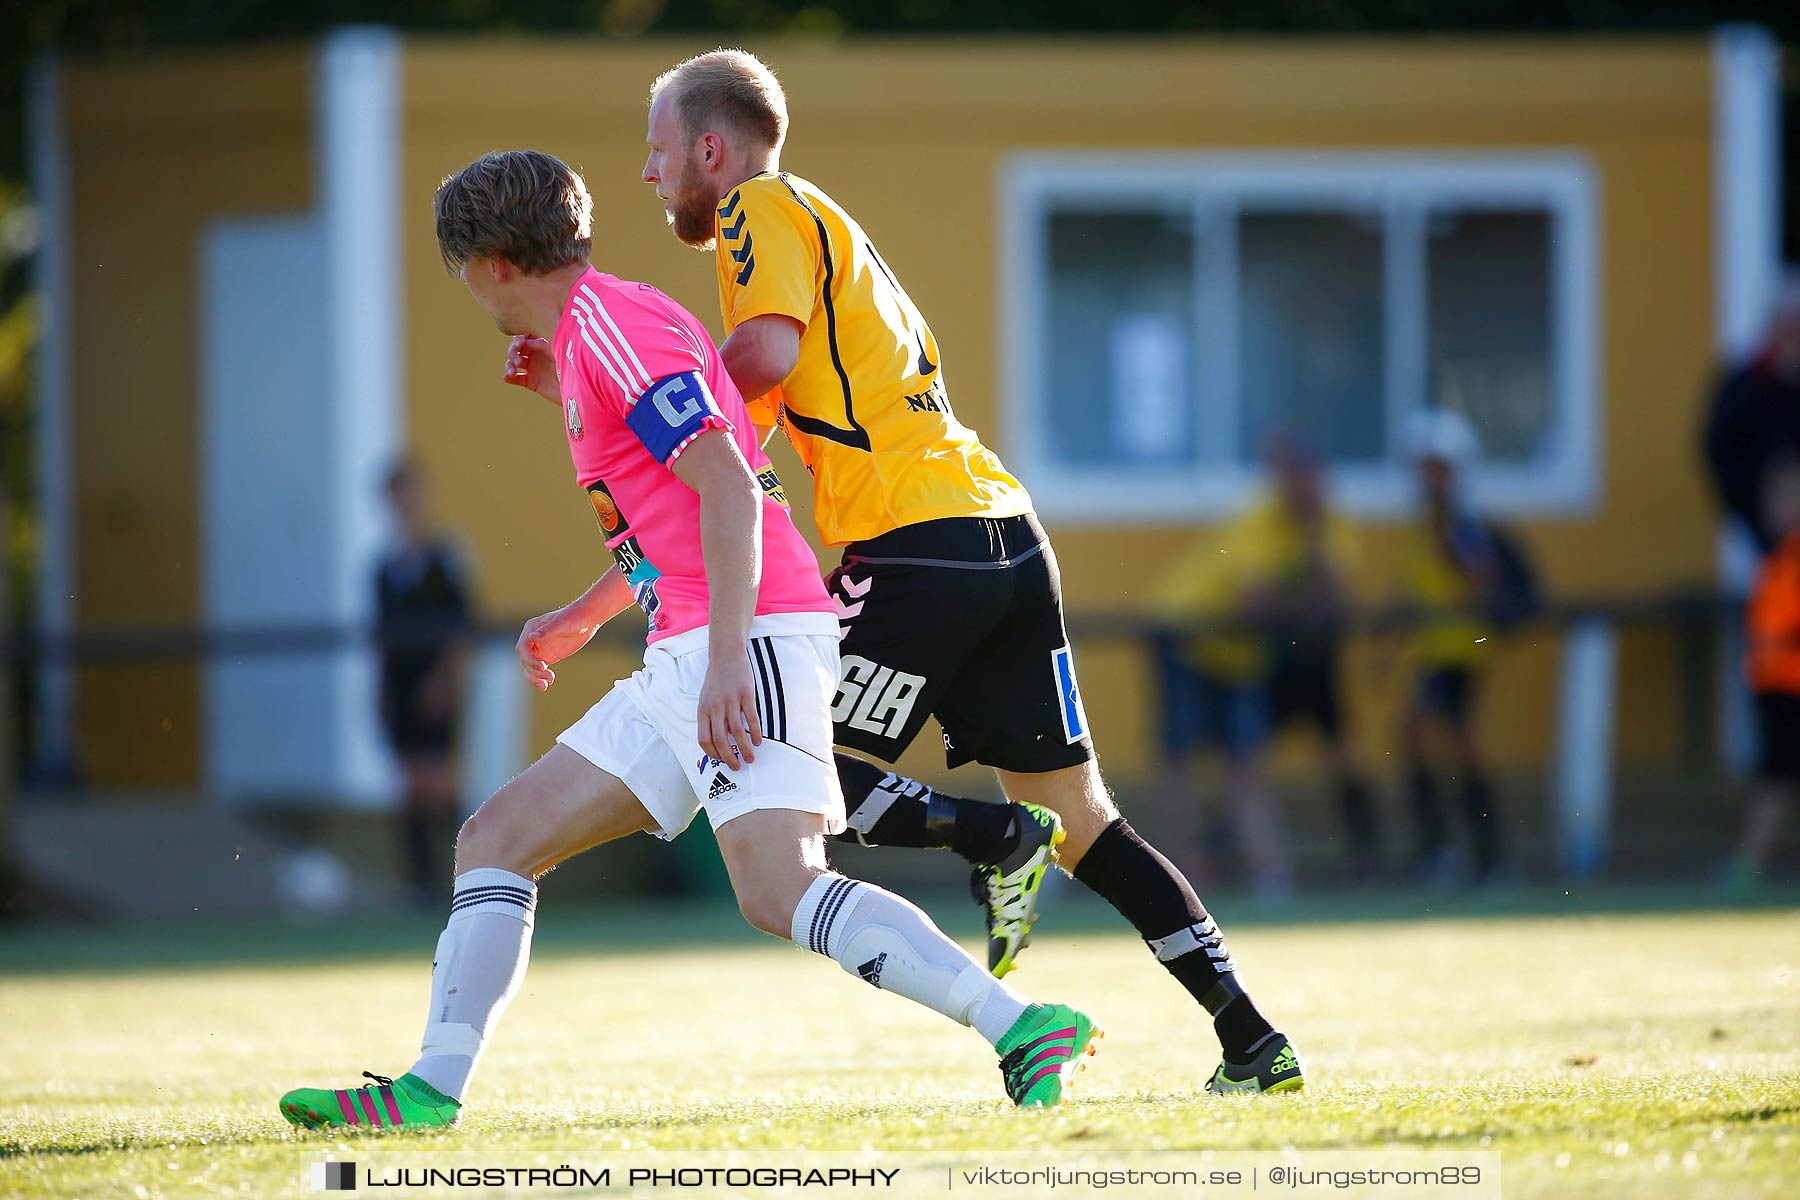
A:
[1774,621]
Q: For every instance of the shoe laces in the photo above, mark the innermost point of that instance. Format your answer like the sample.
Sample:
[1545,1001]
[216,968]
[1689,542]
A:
[380,1080]
[1012,1071]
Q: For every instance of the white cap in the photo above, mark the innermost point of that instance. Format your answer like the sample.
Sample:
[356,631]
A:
[1442,434]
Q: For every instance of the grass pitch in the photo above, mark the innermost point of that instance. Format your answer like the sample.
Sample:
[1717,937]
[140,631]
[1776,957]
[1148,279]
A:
[1601,1054]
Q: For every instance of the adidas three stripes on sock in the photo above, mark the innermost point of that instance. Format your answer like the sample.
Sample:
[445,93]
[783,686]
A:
[891,943]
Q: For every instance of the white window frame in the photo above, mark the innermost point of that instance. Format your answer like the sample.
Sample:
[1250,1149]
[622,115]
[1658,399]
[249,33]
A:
[1403,186]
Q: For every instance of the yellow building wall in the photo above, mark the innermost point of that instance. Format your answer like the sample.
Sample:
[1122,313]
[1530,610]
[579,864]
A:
[156,150]
[911,137]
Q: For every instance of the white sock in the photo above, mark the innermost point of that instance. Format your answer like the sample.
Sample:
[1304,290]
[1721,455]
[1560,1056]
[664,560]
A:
[481,959]
[892,944]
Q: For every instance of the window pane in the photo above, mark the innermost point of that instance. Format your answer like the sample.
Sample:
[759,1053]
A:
[1310,333]
[1489,327]
[1121,352]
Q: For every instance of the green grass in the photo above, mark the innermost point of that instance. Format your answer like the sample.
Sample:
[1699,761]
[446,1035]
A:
[1601,1054]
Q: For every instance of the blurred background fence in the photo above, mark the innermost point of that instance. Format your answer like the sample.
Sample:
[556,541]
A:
[1575,814]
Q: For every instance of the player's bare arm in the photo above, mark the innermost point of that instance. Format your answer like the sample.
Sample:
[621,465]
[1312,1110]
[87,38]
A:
[730,544]
[761,353]
[531,364]
[554,636]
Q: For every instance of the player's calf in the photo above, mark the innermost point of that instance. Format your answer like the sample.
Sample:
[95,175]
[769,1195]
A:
[891,944]
[560,805]
[776,858]
[1075,794]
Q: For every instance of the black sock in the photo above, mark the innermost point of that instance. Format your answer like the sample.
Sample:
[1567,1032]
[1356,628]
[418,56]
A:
[982,832]
[886,809]
[1149,892]
[891,810]
[882,810]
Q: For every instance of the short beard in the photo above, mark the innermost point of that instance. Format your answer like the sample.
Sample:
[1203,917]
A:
[693,218]
[693,222]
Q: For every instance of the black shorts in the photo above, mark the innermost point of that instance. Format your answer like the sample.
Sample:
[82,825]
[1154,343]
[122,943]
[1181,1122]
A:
[1778,737]
[960,619]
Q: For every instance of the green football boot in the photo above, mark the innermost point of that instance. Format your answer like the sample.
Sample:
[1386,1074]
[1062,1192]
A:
[384,1104]
[1273,1068]
[1047,1047]
[1009,889]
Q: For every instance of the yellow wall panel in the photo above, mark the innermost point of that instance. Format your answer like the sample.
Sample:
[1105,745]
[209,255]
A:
[157,150]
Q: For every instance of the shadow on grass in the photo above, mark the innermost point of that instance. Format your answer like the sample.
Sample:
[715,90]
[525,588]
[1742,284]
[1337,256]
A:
[644,927]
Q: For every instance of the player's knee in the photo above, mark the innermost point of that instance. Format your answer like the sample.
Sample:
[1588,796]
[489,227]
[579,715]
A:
[764,908]
[487,839]
[769,898]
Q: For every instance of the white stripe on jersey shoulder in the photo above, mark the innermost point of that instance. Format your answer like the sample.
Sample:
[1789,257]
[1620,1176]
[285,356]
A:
[592,330]
[605,360]
[607,317]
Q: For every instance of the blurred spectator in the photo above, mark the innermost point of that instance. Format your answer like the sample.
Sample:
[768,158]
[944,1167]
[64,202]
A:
[1467,580]
[1774,670]
[1278,572]
[422,606]
[1756,418]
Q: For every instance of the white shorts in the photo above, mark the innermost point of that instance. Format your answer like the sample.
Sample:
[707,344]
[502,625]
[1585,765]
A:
[645,732]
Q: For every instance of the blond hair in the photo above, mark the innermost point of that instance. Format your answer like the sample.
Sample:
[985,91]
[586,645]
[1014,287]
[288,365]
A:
[525,206]
[729,88]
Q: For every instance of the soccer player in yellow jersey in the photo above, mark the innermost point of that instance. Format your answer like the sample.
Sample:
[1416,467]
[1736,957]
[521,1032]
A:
[949,595]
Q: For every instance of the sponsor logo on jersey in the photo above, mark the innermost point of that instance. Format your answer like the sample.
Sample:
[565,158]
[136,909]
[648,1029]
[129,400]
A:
[923,402]
[770,483]
[639,571]
[606,510]
[572,414]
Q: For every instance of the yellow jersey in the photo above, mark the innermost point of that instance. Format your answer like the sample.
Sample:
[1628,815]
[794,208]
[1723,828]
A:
[866,406]
[1455,635]
[1266,548]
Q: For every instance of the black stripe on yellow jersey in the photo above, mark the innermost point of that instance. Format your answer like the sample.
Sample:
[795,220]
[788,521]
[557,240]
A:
[856,436]
[867,405]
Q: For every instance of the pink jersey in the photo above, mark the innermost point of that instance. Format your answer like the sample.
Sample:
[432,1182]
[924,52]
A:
[641,379]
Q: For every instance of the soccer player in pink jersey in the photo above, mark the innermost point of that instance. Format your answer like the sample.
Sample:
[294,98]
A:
[730,712]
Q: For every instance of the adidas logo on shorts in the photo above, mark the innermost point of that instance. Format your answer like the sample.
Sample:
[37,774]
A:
[720,786]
